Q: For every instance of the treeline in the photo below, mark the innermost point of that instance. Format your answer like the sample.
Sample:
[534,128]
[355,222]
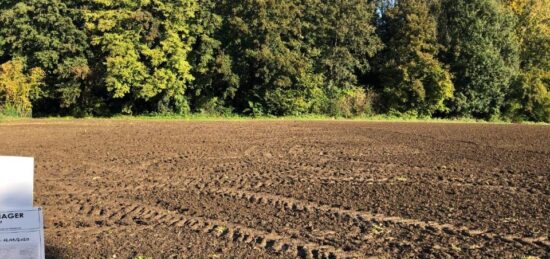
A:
[487,59]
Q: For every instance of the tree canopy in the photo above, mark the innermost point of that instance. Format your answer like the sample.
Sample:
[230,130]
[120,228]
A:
[475,58]
[481,49]
[413,77]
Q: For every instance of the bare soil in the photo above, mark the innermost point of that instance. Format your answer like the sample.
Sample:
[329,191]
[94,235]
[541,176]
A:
[123,189]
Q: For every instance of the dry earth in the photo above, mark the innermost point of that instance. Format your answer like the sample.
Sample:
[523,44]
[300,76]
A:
[123,189]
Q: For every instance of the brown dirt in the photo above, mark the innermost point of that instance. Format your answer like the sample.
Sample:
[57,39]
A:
[288,189]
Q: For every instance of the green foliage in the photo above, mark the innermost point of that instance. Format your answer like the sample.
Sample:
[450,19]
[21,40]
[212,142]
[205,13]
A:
[215,80]
[44,33]
[355,102]
[281,57]
[18,89]
[533,30]
[263,41]
[482,52]
[142,48]
[341,38]
[412,76]
[529,97]
[343,58]
[212,106]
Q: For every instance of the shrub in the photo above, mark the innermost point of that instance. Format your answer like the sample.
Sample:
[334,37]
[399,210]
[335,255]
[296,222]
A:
[352,102]
[213,106]
[18,89]
[530,98]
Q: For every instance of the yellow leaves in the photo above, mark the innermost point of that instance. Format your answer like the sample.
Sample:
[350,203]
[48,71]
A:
[156,56]
[144,45]
[532,13]
[17,88]
[112,3]
[106,24]
[418,88]
[533,100]
[540,13]
[103,2]
[106,20]
[517,6]
[534,8]
[124,72]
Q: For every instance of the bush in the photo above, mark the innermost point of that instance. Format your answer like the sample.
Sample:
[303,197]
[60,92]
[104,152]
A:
[286,102]
[530,98]
[213,106]
[18,89]
[352,102]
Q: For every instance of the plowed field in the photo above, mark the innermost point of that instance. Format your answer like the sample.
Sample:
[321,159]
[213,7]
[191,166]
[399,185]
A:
[284,189]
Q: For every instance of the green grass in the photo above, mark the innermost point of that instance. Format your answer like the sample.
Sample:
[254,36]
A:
[237,118]
[375,118]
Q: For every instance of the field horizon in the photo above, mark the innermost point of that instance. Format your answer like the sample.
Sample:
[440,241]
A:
[305,118]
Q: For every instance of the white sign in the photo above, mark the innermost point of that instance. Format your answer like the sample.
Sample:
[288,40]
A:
[22,234]
[16,182]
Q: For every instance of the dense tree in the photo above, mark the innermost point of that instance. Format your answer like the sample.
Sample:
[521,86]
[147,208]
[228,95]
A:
[482,52]
[18,89]
[215,82]
[265,42]
[44,34]
[533,29]
[413,79]
[341,34]
[141,48]
[530,95]
[478,58]
[286,57]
